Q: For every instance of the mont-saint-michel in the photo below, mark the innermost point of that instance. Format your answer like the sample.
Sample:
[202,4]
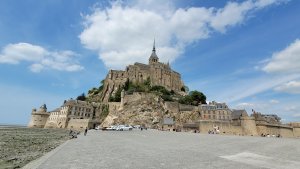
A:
[146,84]
[154,96]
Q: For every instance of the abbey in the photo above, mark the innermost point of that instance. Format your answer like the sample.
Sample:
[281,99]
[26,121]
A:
[159,74]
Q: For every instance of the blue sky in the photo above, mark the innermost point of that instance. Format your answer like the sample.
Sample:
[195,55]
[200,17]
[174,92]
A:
[245,53]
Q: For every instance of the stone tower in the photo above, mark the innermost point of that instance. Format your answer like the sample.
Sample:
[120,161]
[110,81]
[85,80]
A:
[248,126]
[39,118]
[153,58]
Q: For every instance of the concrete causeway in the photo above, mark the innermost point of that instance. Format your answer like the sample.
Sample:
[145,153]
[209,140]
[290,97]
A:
[153,149]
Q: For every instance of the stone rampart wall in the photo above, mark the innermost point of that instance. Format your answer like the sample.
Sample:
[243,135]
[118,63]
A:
[51,124]
[183,107]
[275,130]
[296,132]
[38,120]
[79,124]
[224,126]
[132,97]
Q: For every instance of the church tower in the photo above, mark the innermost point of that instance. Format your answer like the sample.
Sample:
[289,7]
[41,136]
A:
[153,58]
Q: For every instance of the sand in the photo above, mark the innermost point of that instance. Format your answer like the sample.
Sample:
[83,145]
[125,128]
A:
[20,145]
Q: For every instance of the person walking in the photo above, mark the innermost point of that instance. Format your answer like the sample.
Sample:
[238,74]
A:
[85,131]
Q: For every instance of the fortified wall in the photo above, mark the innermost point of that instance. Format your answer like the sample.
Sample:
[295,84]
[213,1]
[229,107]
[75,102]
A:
[73,114]
[206,118]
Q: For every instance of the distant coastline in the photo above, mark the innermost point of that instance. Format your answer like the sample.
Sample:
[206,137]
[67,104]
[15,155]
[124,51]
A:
[3,125]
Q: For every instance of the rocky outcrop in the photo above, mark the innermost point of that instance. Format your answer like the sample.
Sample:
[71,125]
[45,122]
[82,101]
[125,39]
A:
[148,110]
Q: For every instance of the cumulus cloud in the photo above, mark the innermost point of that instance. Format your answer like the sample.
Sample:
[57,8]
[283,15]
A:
[296,115]
[14,53]
[244,105]
[292,87]
[285,61]
[273,101]
[122,34]
[39,57]
[292,108]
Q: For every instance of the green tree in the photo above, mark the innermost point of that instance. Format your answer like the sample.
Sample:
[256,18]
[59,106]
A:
[186,100]
[194,98]
[198,97]
[81,97]
[117,96]
[127,85]
[167,98]
[147,83]
[160,89]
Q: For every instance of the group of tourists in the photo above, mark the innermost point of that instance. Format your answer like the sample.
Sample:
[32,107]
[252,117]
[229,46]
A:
[268,135]
[216,130]
[73,134]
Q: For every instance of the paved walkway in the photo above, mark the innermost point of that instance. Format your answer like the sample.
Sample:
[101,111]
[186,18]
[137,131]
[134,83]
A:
[169,150]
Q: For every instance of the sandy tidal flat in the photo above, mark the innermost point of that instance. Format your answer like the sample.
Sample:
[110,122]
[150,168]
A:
[20,145]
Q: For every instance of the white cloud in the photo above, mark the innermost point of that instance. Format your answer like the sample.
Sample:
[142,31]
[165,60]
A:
[285,61]
[244,105]
[249,106]
[39,57]
[233,13]
[264,3]
[292,87]
[292,108]
[14,53]
[249,87]
[282,71]
[273,101]
[124,34]
[296,115]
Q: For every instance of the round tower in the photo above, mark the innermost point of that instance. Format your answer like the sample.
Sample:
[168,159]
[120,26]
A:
[248,126]
[39,118]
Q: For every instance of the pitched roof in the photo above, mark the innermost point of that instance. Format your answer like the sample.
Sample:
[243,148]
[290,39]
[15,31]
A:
[238,113]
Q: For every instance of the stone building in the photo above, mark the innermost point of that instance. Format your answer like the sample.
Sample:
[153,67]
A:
[73,114]
[215,111]
[159,74]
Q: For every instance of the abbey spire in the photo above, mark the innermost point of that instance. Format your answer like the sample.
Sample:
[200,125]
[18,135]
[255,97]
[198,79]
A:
[153,58]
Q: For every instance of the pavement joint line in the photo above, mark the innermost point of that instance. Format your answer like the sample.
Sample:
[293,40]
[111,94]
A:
[261,160]
[37,162]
